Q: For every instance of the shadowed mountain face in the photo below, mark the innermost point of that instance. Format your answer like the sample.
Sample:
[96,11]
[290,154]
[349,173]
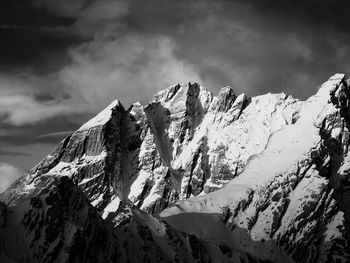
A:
[191,177]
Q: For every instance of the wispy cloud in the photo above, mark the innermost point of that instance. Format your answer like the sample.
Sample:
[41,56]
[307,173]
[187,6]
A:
[54,134]
[12,153]
[132,68]
[21,110]
[53,137]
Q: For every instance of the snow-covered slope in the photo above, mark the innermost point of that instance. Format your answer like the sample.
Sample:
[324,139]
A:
[193,177]
[290,195]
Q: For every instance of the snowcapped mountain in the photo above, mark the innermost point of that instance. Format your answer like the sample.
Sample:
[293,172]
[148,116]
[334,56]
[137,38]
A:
[191,177]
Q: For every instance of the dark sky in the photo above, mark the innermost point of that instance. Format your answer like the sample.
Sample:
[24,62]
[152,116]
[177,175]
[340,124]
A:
[63,61]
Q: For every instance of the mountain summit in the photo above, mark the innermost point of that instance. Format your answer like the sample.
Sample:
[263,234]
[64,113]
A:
[191,177]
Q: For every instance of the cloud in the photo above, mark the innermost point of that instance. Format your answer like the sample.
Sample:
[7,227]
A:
[101,17]
[131,68]
[55,134]
[67,8]
[231,43]
[27,99]
[114,63]
[53,137]
[27,154]
[8,174]
[322,14]
[134,49]
[12,153]
[21,110]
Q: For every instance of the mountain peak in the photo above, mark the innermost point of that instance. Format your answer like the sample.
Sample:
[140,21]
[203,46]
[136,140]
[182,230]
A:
[103,117]
[193,177]
[224,100]
[183,89]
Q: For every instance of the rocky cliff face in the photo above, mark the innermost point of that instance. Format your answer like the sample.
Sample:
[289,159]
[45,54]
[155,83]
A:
[191,177]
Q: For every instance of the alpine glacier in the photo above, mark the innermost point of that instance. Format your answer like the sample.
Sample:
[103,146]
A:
[191,177]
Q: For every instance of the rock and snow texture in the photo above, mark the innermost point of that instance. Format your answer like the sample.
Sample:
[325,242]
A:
[192,177]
